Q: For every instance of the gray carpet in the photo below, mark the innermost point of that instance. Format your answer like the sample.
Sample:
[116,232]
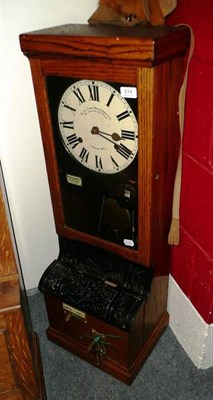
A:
[168,374]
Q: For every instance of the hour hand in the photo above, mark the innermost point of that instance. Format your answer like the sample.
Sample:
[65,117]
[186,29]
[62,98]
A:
[96,131]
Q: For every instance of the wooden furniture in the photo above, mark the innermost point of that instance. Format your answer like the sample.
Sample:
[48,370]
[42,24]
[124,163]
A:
[21,375]
[71,65]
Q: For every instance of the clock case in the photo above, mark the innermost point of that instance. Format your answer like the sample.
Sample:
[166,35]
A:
[153,59]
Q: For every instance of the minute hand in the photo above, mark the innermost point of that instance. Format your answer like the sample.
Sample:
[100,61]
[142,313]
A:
[109,140]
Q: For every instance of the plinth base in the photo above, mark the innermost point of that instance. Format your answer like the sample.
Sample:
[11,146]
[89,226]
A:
[119,353]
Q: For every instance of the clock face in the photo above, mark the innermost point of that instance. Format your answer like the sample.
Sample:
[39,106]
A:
[98,127]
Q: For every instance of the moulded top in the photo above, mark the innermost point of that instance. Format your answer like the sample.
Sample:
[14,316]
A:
[144,43]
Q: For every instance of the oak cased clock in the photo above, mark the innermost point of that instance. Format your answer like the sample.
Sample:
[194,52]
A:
[107,100]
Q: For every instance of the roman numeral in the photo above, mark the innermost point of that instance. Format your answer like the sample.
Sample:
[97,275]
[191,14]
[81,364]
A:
[69,107]
[73,140]
[79,95]
[84,155]
[110,100]
[123,150]
[94,92]
[127,135]
[122,115]
[67,124]
[98,162]
[115,165]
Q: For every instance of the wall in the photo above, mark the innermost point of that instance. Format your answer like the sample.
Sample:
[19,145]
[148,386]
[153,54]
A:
[21,151]
[192,261]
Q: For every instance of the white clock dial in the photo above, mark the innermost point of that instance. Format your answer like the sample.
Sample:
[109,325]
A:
[98,127]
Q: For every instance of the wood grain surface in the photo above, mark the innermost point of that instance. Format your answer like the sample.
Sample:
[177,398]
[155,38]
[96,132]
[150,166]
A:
[18,379]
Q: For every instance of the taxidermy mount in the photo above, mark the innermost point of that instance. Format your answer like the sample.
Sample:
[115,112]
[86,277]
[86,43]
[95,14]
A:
[132,12]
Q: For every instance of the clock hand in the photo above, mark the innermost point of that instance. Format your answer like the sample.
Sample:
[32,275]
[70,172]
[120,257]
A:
[115,136]
[96,131]
[109,140]
[121,149]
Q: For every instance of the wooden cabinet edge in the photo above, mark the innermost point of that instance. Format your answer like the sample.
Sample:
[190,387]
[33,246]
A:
[13,323]
[38,366]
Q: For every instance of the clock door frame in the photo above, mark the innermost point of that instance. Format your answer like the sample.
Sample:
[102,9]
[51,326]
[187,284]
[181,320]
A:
[158,143]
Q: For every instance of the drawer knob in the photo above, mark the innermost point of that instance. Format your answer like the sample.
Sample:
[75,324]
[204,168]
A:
[98,343]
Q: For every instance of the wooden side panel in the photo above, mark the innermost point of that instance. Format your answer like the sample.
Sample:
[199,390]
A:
[9,281]
[159,90]
[18,380]
[9,389]
[17,371]
[7,259]
[14,395]
[21,355]
[7,379]
[166,141]
[145,121]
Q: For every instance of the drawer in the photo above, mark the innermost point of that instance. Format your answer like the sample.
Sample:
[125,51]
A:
[9,291]
[90,334]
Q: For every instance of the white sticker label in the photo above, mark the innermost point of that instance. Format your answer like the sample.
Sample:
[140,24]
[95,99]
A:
[127,193]
[129,92]
[128,242]
[110,283]
[74,180]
